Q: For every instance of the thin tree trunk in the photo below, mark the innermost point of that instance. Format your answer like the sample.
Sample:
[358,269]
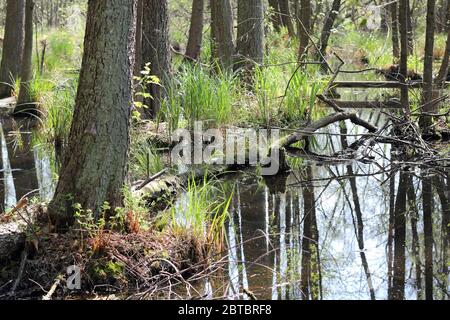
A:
[286,18]
[326,32]
[305,27]
[222,27]
[410,33]
[156,50]
[444,69]
[96,161]
[13,43]
[403,17]
[138,49]
[196,30]
[250,34]
[25,99]
[395,26]
[426,121]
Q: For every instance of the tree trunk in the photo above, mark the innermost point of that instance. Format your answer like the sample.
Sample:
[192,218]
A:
[13,43]
[403,24]
[250,38]
[286,19]
[222,26]
[25,99]
[138,48]
[156,50]
[393,7]
[443,70]
[305,27]
[95,164]
[196,30]
[426,121]
[326,32]
[410,13]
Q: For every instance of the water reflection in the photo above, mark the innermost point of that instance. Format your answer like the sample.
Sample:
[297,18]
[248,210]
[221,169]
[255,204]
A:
[27,170]
[10,198]
[332,241]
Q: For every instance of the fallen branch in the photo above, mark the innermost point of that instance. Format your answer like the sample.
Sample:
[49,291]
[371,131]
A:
[23,263]
[313,127]
[53,288]
[152,178]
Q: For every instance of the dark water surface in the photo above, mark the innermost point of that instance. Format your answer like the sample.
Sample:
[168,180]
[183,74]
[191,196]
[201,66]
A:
[336,231]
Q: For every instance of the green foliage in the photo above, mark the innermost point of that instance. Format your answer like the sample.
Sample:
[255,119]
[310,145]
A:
[141,86]
[63,51]
[199,96]
[145,159]
[202,212]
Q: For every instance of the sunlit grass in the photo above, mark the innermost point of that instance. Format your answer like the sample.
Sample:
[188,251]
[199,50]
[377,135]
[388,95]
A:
[202,212]
[145,159]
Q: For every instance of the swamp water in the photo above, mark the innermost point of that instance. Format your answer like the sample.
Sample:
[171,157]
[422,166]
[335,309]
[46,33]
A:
[325,231]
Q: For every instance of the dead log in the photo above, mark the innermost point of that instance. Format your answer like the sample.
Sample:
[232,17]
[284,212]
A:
[12,238]
[324,122]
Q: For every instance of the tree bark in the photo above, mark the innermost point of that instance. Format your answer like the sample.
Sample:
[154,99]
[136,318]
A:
[305,27]
[25,99]
[326,32]
[443,70]
[13,43]
[222,27]
[250,37]
[286,19]
[138,48]
[403,24]
[410,32]
[156,50]
[196,30]
[95,164]
[394,24]
[426,121]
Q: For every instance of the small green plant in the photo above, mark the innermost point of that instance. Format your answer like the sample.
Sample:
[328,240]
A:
[144,159]
[202,212]
[94,228]
[142,83]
